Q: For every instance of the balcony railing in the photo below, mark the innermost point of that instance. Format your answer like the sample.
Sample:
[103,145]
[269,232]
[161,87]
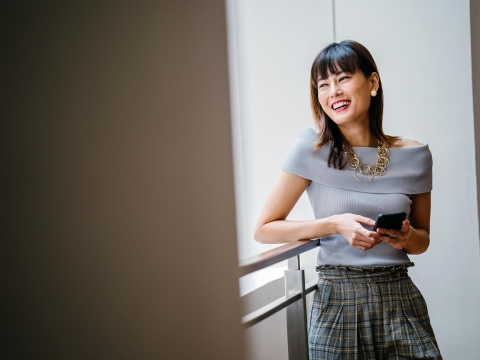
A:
[295,294]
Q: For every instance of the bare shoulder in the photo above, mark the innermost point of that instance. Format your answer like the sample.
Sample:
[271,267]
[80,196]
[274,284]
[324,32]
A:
[401,142]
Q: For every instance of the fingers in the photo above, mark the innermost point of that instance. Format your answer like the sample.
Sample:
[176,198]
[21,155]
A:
[396,233]
[356,234]
[365,220]
[396,242]
[389,232]
[365,241]
[396,238]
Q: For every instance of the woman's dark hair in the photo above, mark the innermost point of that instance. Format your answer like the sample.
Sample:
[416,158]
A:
[347,56]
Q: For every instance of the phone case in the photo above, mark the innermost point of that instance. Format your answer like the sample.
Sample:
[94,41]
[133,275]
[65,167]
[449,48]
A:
[390,221]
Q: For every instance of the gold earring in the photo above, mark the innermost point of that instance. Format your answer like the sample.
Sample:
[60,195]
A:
[373,93]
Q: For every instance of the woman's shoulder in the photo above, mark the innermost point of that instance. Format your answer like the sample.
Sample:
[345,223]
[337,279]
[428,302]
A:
[408,148]
[308,134]
[306,140]
[412,152]
[402,142]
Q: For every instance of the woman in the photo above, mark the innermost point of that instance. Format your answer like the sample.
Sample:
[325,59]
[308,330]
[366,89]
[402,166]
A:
[365,305]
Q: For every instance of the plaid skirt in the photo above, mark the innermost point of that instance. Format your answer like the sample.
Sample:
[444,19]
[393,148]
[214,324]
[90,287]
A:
[369,313]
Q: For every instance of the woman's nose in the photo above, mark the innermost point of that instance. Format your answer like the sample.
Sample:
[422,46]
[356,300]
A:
[335,91]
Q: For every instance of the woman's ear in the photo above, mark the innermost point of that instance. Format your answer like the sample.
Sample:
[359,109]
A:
[374,81]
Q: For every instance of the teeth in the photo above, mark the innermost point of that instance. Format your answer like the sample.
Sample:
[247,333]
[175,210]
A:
[340,104]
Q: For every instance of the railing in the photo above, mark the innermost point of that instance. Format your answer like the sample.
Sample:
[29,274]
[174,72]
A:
[295,294]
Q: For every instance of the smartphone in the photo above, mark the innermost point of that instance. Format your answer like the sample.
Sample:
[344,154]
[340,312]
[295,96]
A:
[390,221]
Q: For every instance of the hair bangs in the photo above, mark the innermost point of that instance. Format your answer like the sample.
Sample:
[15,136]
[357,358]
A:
[334,60]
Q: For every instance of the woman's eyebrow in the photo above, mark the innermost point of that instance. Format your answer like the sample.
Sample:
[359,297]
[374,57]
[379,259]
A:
[336,74]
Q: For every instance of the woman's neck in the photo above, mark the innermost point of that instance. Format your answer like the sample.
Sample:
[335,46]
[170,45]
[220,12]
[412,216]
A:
[359,136]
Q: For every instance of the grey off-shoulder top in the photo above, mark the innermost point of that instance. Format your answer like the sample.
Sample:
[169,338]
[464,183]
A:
[333,191]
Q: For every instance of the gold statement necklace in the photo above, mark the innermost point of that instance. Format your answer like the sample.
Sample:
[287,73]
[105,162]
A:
[368,170]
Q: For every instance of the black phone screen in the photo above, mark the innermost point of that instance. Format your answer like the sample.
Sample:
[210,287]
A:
[390,221]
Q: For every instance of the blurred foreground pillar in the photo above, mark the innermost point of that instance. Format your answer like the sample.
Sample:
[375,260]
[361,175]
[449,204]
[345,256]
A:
[117,223]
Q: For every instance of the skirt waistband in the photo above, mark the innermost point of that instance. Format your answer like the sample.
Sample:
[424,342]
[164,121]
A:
[345,273]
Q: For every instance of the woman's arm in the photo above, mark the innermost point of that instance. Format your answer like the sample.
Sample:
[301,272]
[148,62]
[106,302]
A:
[414,236]
[272,227]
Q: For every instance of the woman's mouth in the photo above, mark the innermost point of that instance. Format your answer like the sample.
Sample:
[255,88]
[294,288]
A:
[341,105]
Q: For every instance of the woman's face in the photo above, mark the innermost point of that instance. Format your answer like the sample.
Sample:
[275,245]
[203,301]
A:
[345,97]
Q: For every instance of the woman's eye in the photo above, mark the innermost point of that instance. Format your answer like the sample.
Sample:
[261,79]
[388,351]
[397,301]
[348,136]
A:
[322,86]
[344,78]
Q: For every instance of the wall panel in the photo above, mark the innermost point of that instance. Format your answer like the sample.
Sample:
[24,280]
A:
[422,49]
[276,42]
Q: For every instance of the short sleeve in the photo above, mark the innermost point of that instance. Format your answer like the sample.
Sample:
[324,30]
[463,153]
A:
[301,154]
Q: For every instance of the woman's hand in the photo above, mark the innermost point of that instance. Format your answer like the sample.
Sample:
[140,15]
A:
[349,225]
[397,238]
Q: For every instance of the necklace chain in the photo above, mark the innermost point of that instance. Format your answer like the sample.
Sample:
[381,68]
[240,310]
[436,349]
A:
[368,170]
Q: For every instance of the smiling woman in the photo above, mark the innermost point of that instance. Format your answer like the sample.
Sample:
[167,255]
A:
[346,73]
[365,306]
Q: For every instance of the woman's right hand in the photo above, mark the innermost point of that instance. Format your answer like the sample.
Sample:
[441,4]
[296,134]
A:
[349,225]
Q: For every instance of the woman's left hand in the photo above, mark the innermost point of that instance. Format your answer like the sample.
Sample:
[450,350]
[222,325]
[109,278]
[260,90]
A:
[398,238]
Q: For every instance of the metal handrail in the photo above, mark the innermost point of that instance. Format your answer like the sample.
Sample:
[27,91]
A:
[271,257]
[295,293]
[275,306]
[269,310]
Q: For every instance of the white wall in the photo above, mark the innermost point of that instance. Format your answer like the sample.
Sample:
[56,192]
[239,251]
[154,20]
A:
[276,42]
[272,46]
[422,49]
